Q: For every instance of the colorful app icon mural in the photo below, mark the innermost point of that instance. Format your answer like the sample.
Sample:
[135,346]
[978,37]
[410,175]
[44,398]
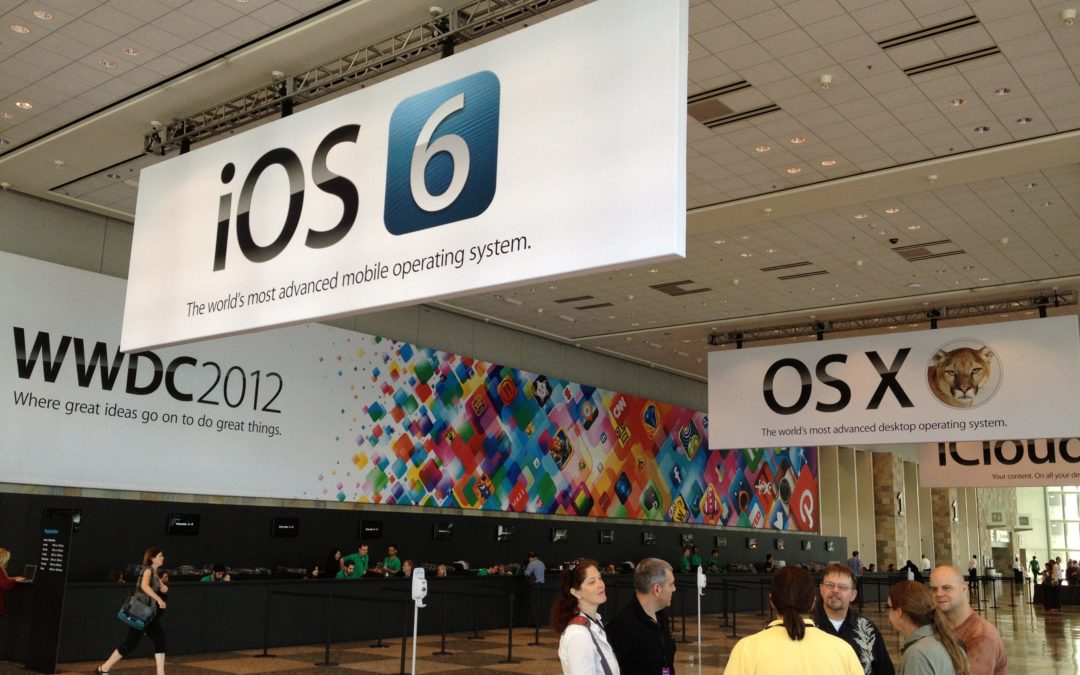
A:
[436,429]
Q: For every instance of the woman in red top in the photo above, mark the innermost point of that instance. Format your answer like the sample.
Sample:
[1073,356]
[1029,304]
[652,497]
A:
[6,582]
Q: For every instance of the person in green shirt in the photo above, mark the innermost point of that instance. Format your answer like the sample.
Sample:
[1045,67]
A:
[360,561]
[392,563]
[695,558]
[684,561]
[714,566]
[347,571]
[1035,568]
[217,574]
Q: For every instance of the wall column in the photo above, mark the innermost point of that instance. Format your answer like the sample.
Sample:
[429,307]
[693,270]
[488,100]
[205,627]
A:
[889,522]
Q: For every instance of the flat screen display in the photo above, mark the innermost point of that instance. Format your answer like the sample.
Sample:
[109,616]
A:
[183,524]
[285,527]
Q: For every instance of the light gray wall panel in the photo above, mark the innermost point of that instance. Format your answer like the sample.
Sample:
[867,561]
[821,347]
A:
[496,344]
[446,331]
[116,254]
[48,231]
[401,324]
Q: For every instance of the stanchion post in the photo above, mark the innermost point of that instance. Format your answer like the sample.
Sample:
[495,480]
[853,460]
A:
[379,624]
[536,605]
[682,607]
[266,632]
[734,612]
[404,632]
[442,643]
[723,600]
[329,615]
[476,619]
[510,633]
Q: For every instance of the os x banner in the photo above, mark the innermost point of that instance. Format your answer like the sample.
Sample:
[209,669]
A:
[976,383]
[551,151]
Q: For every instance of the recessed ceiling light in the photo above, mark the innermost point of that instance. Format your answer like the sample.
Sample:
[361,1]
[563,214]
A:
[42,14]
[719,242]
[984,278]
[112,175]
[968,268]
[797,140]
[957,102]
[892,210]
[19,28]
[611,316]
[914,284]
[828,162]
[107,63]
[1030,186]
[745,255]
[860,216]
[1023,120]
[941,270]
[770,250]
[745,237]
[25,105]
[653,270]
[4,141]
[131,182]
[1046,204]
[635,323]
[7,116]
[762,148]
[1001,91]
[793,169]
[915,226]
[982,129]
[130,51]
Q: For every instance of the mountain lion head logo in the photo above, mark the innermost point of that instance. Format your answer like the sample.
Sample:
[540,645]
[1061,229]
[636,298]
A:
[958,376]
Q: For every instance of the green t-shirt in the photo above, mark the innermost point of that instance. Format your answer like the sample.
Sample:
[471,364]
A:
[482,572]
[342,575]
[392,564]
[207,578]
[361,562]
[695,561]
[714,564]
[684,565]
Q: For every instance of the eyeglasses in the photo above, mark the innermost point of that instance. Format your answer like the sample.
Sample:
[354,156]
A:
[830,586]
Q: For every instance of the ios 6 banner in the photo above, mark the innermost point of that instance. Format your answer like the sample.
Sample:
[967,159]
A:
[514,160]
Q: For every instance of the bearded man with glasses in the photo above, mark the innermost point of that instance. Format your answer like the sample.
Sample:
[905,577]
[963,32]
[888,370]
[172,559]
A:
[836,617]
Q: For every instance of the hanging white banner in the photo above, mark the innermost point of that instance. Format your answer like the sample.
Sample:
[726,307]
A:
[987,382]
[1021,462]
[547,152]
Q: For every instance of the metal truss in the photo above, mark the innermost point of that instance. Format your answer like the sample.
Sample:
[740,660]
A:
[1038,301]
[435,36]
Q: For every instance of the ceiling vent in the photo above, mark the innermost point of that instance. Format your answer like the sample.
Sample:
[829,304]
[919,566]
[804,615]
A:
[795,275]
[951,61]
[928,251]
[574,299]
[929,32]
[707,108]
[675,288]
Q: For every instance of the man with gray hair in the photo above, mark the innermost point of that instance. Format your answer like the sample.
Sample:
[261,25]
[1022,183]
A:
[640,635]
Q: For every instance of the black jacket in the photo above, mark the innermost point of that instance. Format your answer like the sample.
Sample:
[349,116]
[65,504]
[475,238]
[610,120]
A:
[642,646]
[863,636]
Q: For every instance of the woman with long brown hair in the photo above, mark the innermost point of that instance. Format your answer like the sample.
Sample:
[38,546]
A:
[930,646]
[792,644]
[583,644]
[151,585]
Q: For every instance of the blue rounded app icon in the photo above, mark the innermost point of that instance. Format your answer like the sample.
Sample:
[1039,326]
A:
[443,154]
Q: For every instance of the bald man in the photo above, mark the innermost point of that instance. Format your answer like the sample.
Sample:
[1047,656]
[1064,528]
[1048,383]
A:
[981,639]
